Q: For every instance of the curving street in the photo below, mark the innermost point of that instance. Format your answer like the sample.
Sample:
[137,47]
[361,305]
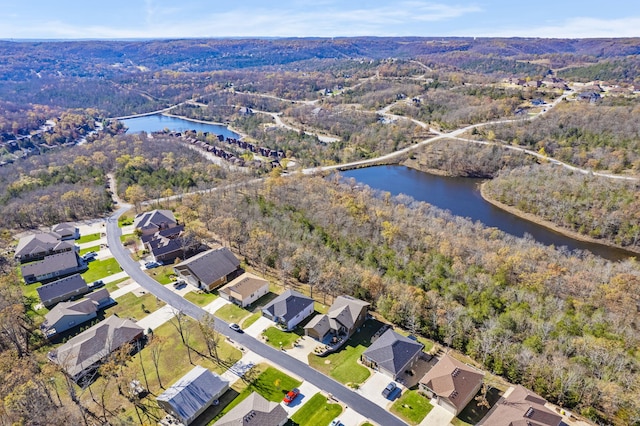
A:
[353,400]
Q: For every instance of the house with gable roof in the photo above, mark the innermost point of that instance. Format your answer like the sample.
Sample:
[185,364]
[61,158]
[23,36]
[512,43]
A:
[255,410]
[289,309]
[38,246]
[451,383]
[345,316]
[53,266]
[155,220]
[520,406]
[62,289]
[210,269]
[65,231]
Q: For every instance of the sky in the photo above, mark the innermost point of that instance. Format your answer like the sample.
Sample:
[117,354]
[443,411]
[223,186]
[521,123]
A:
[114,19]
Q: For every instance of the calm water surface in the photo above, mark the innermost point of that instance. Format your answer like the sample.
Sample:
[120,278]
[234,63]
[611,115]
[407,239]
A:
[158,122]
[461,196]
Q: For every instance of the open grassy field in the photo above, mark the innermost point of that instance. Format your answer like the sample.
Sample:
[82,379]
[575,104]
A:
[131,306]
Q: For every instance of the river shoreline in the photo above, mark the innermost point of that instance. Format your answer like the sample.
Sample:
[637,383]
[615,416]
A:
[195,120]
[550,225]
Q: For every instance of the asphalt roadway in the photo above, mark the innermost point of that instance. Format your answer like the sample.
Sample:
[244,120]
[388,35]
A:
[345,395]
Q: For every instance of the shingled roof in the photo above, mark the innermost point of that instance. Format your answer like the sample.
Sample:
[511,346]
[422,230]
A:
[521,407]
[254,410]
[345,310]
[211,265]
[66,286]
[155,219]
[41,244]
[288,305]
[392,351]
[50,264]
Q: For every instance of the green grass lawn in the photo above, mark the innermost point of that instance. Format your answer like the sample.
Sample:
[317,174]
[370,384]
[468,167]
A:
[200,298]
[131,306]
[276,338]
[343,365]
[112,286]
[125,237]
[412,407]
[162,274]
[101,268]
[271,383]
[87,238]
[125,220]
[88,249]
[232,313]
[316,412]
[251,319]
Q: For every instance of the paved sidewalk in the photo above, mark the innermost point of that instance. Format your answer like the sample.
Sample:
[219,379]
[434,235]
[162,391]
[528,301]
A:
[157,318]
[115,277]
[93,243]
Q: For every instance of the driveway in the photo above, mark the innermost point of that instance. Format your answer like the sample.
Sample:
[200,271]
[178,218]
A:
[373,387]
[255,329]
[350,417]
[157,318]
[124,290]
[438,416]
[305,346]
[307,390]
[215,305]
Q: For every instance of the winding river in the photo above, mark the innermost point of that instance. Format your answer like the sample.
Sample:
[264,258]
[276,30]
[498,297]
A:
[461,196]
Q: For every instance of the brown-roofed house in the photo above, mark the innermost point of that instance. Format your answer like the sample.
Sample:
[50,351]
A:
[55,265]
[210,269]
[245,289]
[154,221]
[452,383]
[37,246]
[62,289]
[254,410]
[345,316]
[169,244]
[83,353]
[521,407]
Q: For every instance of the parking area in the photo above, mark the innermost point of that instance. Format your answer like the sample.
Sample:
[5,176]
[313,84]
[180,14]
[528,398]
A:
[307,390]
[372,389]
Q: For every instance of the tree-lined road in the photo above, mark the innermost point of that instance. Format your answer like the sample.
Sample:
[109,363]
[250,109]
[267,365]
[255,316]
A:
[353,400]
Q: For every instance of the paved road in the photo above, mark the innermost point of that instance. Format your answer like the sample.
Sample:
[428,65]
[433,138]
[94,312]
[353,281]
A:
[343,394]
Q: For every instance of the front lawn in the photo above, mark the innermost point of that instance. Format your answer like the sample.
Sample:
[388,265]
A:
[99,269]
[113,286]
[412,407]
[316,412]
[131,306]
[125,237]
[88,249]
[87,238]
[276,338]
[232,313]
[200,298]
[250,320]
[162,274]
[343,365]
[271,383]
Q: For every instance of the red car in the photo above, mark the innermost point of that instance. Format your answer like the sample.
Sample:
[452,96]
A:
[290,396]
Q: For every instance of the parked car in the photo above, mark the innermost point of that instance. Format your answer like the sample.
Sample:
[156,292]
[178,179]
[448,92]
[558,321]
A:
[96,284]
[235,327]
[336,422]
[87,257]
[290,396]
[389,389]
[179,284]
[151,265]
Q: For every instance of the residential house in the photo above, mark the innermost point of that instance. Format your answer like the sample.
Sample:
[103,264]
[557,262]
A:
[289,309]
[255,410]
[83,353]
[65,231]
[245,289]
[56,265]
[192,394]
[520,406]
[62,289]
[452,383]
[533,83]
[210,269]
[590,96]
[345,316]
[37,246]
[169,244]
[154,221]
[392,354]
[66,315]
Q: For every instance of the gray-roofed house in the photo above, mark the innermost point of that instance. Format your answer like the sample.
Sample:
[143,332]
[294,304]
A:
[210,269]
[83,353]
[245,289]
[255,410]
[56,265]
[452,383]
[392,354]
[521,407]
[154,221]
[169,244]
[37,246]
[345,316]
[66,315]
[289,309]
[65,231]
[192,394]
[62,289]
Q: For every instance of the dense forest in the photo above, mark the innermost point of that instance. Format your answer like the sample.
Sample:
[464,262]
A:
[564,326]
